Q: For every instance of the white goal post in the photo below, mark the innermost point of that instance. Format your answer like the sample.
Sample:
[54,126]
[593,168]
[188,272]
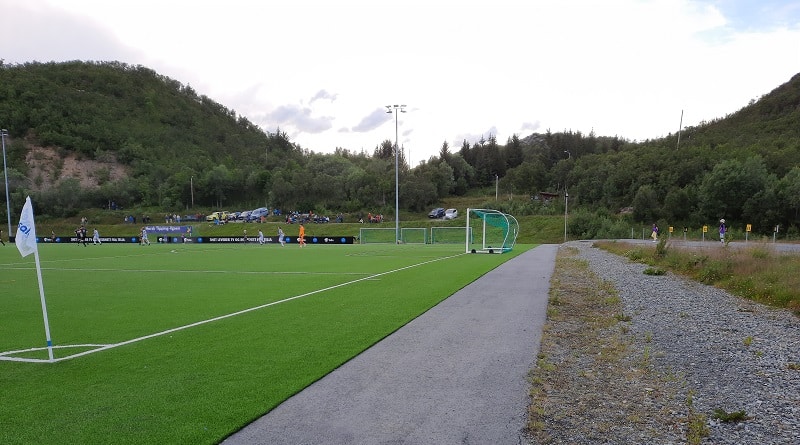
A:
[497,230]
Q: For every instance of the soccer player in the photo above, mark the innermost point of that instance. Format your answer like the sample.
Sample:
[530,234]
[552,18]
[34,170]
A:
[80,233]
[301,237]
[96,237]
[281,237]
[260,237]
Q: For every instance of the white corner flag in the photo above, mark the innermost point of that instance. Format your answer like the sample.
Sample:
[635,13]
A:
[26,231]
[26,243]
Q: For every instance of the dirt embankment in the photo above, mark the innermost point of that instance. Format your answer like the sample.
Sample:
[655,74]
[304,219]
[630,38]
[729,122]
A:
[48,167]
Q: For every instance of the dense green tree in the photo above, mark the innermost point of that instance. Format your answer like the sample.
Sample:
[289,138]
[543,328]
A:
[789,191]
[528,178]
[514,155]
[726,190]
[646,206]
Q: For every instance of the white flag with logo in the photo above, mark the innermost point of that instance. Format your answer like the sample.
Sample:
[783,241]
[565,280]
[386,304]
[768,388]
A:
[26,231]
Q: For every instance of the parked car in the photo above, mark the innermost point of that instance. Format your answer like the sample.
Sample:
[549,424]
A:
[219,216]
[450,214]
[436,213]
[256,214]
[244,215]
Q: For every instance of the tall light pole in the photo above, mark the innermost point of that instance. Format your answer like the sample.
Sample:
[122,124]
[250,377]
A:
[191,188]
[395,109]
[566,200]
[496,185]
[3,134]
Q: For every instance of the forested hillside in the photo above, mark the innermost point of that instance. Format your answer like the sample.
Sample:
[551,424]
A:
[147,141]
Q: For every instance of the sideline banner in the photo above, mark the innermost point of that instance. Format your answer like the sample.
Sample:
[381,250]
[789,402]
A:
[274,239]
[180,239]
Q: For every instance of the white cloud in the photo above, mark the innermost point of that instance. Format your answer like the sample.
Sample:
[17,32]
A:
[372,121]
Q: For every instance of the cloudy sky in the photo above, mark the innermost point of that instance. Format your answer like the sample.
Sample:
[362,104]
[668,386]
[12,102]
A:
[323,71]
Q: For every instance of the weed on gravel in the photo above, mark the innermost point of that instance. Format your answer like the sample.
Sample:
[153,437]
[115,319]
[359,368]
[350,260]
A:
[593,381]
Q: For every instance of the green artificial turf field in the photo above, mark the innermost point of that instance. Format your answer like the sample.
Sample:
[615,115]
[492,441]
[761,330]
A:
[188,343]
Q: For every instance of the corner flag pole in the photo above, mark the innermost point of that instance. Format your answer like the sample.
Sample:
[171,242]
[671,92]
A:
[26,244]
[44,307]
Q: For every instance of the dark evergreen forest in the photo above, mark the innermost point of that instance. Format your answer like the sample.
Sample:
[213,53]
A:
[744,167]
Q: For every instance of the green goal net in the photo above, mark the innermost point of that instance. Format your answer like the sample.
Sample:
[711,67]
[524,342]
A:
[414,235]
[379,235]
[370,235]
[450,235]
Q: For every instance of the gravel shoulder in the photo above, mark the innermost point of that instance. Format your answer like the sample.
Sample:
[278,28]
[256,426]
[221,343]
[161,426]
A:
[628,358]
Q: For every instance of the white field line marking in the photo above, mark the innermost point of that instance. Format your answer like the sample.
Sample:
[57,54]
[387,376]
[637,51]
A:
[3,356]
[241,272]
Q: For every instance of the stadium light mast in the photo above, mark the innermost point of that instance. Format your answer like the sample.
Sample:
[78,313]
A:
[566,199]
[3,134]
[396,109]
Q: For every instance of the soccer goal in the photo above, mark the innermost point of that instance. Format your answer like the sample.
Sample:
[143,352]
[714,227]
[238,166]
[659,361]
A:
[450,235]
[413,235]
[497,231]
[374,235]
[408,235]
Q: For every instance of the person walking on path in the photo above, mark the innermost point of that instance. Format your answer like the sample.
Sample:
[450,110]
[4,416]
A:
[301,237]
[722,230]
[654,235]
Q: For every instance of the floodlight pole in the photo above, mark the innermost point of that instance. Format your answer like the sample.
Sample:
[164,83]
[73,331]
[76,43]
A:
[566,200]
[395,109]
[3,134]
[191,188]
[496,185]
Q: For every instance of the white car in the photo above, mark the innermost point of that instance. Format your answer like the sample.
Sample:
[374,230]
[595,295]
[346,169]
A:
[450,214]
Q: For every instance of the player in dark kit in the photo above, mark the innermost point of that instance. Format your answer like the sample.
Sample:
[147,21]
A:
[80,232]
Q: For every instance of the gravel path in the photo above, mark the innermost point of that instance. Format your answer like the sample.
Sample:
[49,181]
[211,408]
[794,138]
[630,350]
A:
[732,354]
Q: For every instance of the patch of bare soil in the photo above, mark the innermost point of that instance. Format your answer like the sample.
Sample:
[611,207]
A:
[48,167]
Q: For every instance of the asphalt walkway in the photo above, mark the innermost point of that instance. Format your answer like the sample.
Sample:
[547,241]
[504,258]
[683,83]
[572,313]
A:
[455,375]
